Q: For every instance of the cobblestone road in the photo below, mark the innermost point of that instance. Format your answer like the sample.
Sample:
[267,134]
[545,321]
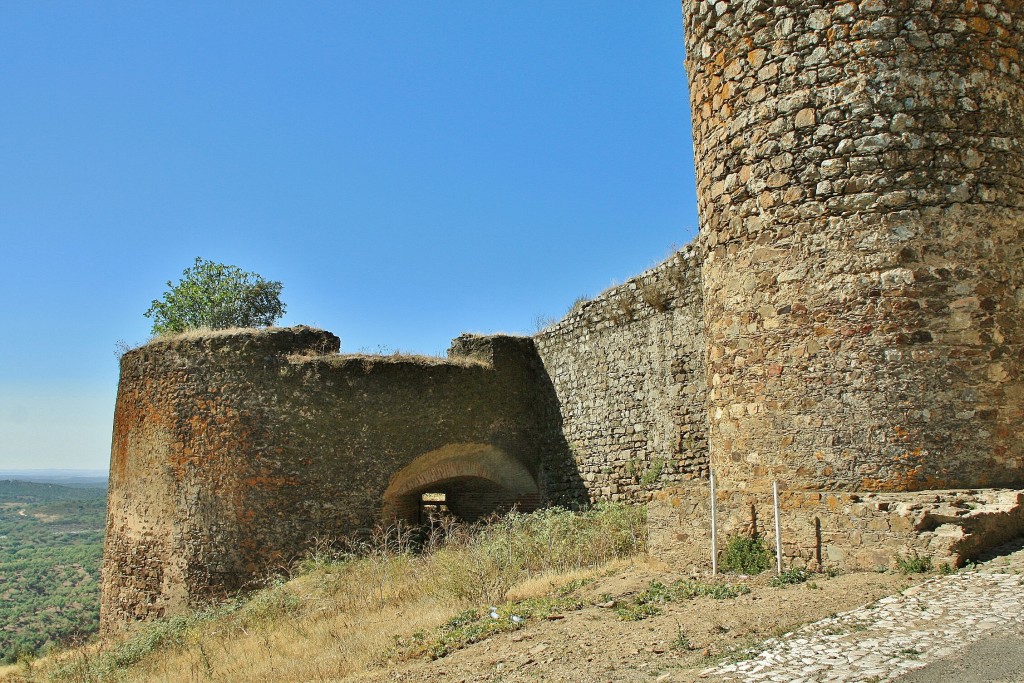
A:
[927,623]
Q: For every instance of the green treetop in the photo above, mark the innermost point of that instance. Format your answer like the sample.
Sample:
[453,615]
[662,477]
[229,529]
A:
[215,296]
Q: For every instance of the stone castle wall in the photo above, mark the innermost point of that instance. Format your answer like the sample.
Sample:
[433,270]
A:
[628,370]
[860,170]
[232,451]
[849,323]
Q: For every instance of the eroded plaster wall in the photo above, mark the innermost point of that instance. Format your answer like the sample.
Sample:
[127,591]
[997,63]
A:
[233,451]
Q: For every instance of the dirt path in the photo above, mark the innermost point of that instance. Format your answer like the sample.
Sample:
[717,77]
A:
[967,626]
[593,645]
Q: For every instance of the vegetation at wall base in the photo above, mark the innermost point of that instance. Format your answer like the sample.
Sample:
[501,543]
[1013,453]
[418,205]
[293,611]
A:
[914,564]
[51,546]
[746,555]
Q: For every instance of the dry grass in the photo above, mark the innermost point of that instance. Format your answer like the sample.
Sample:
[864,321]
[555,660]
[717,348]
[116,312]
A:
[205,333]
[343,611]
[654,297]
[401,357]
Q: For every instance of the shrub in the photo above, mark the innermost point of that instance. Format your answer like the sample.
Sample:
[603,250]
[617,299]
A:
[746,555]
[914,565]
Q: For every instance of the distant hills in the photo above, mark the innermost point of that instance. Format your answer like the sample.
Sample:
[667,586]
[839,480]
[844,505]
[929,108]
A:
[64,477]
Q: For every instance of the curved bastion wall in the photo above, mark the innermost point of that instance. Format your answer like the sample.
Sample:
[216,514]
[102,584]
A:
[233,451]
[860,170]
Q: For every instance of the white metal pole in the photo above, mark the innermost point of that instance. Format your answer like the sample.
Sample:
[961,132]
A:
[778,529]
[714,539]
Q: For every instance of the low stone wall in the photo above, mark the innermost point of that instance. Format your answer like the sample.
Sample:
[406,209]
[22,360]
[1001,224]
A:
[850,531]
[628,371]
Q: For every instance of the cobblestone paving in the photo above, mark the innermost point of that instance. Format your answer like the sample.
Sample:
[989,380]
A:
[892,636]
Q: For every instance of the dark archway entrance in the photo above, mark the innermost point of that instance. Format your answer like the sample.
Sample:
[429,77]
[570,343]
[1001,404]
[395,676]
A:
[468,481]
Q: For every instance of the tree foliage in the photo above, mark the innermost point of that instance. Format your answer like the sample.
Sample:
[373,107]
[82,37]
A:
[216,296]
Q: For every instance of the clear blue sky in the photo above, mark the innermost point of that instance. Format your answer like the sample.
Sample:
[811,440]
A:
[409,171]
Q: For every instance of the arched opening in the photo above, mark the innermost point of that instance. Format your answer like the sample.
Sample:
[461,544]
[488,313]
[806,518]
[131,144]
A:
[465,481]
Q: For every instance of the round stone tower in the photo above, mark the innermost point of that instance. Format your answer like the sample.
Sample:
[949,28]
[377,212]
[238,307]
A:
[860,170]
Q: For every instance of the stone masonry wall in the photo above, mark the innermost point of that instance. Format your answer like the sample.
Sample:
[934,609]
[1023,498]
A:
[842,530]
[627,369]
[860,170]
[232,450]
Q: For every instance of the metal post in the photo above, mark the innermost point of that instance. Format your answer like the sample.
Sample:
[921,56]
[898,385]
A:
[778,529]
[714,538]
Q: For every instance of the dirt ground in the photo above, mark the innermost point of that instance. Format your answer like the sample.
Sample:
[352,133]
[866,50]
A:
[593,646]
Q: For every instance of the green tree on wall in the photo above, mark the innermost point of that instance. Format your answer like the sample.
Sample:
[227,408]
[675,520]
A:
[216,296]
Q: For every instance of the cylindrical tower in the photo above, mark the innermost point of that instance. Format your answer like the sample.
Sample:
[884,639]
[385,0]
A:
[201,483]
[860,170]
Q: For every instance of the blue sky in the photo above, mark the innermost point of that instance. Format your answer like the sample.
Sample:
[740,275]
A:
[409,171]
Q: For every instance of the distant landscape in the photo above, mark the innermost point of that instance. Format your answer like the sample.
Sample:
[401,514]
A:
[51,545]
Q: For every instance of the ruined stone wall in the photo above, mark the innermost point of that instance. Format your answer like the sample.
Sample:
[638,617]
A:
[860,170]
[232,451]
[628,371]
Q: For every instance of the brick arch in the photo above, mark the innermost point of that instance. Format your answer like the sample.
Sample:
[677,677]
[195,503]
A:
[478,478]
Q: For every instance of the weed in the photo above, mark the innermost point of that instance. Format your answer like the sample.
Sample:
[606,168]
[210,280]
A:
[915,564]
[746,555]
[858,626]
[716,590]
[910,652]
[577,304]
[653,472]
[945,569]
[637,612]
[473,626]
[633,468]
[834,630]
[790,577]
[541,322]
[625,308]
[646,604]
[654,297]
[681,643]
